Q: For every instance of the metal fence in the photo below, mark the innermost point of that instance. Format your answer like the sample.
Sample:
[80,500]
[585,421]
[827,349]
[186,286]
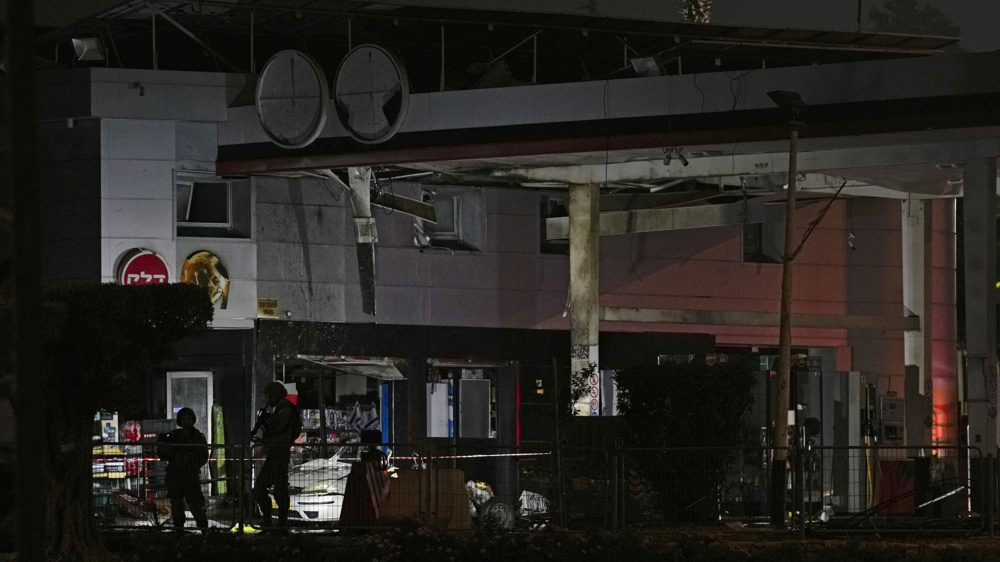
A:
[886,489]
[355,485]
[686,486]
[825,489]
[331,487]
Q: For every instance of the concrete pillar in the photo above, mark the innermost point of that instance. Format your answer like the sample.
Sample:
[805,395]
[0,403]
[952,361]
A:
[584,250]
[980,301]
[917,352]
[942,326]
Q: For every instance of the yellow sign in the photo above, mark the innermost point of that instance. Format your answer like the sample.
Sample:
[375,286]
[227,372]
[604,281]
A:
[267,308]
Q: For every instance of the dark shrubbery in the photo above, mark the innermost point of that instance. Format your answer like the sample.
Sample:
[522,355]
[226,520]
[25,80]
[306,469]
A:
[692,405]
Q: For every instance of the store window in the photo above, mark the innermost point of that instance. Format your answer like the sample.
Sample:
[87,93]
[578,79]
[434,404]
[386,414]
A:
[462,401]
[190,390]
[212,207]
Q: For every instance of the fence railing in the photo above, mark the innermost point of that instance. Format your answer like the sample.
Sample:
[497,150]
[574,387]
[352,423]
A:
[826,489]
[328,487]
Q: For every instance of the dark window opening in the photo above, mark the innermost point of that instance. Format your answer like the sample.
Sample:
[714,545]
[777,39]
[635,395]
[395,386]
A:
[551,207]
[212,208]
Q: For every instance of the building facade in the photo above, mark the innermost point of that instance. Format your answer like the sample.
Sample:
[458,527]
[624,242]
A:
[131,165]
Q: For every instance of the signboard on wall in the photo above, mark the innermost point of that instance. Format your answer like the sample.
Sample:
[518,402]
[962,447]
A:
[141,267]
[267,308]
[205,269]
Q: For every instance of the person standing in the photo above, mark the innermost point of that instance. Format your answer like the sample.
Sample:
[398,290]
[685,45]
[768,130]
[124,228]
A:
[185,451]
[281,426]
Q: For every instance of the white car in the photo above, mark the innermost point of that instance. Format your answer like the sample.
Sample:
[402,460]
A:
[316,488]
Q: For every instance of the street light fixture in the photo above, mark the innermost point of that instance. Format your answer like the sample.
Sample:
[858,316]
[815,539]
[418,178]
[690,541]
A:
[90,48]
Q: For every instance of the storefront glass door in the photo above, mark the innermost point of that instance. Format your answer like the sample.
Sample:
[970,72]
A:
[190,390]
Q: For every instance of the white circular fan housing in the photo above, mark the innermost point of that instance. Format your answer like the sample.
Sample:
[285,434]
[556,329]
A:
[372,94]
[291,99]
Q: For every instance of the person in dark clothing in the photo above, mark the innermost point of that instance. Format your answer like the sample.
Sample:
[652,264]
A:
[281,426]
[186,451]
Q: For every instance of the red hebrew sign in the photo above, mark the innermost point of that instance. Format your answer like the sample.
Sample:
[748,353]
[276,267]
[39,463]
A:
[141,267]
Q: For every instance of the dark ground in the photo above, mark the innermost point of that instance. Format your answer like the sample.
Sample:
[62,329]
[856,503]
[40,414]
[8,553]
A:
[413,542]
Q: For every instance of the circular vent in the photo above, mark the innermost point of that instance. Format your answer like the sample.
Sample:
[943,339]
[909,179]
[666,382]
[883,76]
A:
[372,94]
[291,99]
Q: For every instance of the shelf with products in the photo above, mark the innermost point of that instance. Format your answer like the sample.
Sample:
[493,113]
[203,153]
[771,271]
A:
[116,461]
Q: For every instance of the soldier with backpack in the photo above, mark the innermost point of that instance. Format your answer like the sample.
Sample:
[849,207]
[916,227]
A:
[281,426]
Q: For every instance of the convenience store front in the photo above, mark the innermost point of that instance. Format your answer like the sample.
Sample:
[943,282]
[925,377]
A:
[340,398]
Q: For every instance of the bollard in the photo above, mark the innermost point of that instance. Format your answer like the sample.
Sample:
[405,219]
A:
[614,490]
[989,496]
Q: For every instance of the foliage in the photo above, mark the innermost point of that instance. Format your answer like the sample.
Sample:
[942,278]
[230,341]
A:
[685,405]
[110,336]
[100,342]
[906,16]
[575,390]
[697,11]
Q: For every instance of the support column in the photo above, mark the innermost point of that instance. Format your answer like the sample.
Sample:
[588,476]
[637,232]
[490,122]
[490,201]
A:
[365,234]
[943,330]
[917,350]
[980,301]
[584,250]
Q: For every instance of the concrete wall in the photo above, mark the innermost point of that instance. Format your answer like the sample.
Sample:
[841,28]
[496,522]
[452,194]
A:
[117,157]
[306,259]
[71,173]
[112,151]
[303,235]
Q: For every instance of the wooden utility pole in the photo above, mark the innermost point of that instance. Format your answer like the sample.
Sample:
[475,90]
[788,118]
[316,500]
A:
[793,103]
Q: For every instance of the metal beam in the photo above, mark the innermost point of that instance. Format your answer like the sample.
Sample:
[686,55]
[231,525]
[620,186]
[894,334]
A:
[366,236]
[654,220]
[185,31]
[391,201]
[766,319]
[755,164]
[405,205]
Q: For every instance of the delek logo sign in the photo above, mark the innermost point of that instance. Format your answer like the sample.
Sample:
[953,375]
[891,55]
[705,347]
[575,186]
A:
[141,267]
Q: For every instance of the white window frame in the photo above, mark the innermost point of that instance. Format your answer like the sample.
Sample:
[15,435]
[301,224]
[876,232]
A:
[190,181]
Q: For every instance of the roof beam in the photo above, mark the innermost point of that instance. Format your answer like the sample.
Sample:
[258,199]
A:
[653,220]
[755,164]
[763,319]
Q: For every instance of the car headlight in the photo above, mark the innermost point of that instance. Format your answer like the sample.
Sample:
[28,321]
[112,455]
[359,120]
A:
[321,487]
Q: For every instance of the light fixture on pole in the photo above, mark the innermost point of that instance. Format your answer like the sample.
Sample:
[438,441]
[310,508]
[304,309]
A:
[89,49]
[646,66]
